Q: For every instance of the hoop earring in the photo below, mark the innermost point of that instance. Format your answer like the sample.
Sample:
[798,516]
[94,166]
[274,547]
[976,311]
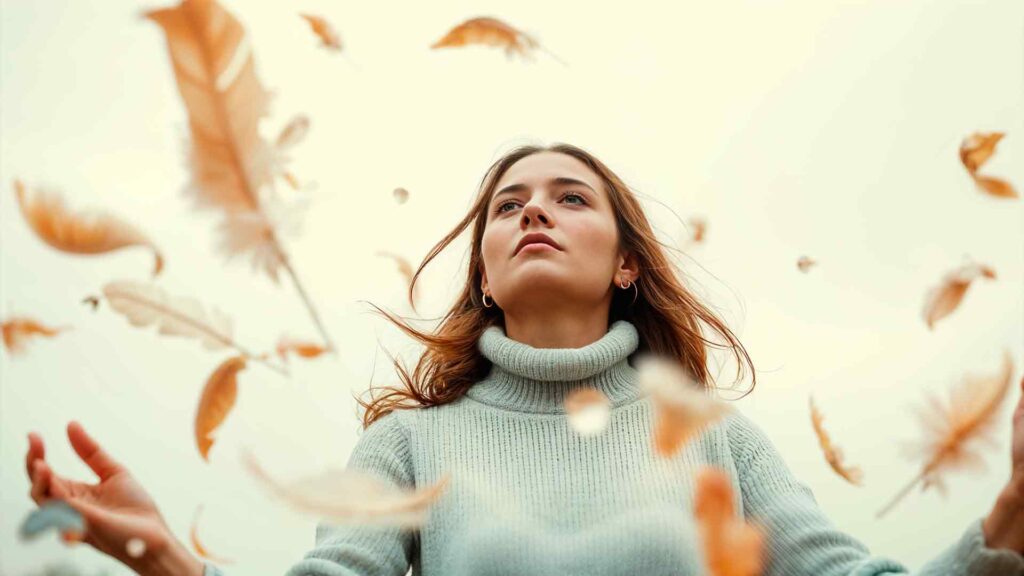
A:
[486,305]
[636,291]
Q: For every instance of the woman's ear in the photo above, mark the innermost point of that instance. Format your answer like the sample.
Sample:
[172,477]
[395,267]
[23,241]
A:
[483,279]
[628,268]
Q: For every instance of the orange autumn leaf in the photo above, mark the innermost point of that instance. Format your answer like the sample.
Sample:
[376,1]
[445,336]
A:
[731,546]
[975,151]
[489,31]
[323,29]
[681,407]
[299,348]
[351,496]
[833,454]
[942,300]
[17,331]
[804,263]
[217,400]
[86,233]
[232,166]
[198,546]
[700,227]
[954,429]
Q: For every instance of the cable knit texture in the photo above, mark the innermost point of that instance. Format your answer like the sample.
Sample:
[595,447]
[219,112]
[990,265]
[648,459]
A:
[528,495]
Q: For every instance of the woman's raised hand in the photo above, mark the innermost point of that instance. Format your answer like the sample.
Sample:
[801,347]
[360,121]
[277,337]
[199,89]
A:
[116,510]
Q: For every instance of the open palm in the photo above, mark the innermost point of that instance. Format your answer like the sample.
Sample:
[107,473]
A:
[115,510]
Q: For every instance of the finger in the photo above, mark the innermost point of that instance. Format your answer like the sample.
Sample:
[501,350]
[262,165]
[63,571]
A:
[40,482]
[91,453]
[36,449]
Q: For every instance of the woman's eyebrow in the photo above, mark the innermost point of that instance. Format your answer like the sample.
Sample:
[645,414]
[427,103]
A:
[557,181]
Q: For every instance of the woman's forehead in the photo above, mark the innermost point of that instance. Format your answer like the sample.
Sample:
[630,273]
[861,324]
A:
[550,169]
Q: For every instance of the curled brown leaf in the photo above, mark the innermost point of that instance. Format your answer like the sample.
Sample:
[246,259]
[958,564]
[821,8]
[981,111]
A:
[198,546]
[324,31]
[303,349]
[833,454]
[975,151]
[944,299]
[489,31]
[681,406]
[216,402]
[18,329]
[85,233]
[732,547]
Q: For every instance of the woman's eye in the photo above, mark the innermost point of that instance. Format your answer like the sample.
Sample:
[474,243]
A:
[501,207]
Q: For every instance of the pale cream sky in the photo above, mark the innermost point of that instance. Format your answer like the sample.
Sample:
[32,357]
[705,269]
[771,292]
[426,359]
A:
[821,128]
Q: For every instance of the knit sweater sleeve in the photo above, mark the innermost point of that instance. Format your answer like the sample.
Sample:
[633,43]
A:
[802,541]
[364,550]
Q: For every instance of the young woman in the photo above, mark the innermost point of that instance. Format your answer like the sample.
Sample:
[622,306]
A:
[566,285]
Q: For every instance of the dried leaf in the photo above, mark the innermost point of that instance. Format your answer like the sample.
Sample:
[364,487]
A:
[299,348]
[682,406]
[322,28]
[942,300]
[975,151]
[952,430]
[86,233]
[232,166]
[54,514]
[588,411]
[699,228]
[17,331]
[218,399]
[352,497]
[833,454]
[144,304]
[732,547]
[804,263]
[488,31]
[197,545]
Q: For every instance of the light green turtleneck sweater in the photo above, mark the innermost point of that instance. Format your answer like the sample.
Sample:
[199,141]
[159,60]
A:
[528,495]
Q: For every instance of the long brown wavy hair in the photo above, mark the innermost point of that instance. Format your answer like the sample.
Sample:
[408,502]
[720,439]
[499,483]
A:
[668,317]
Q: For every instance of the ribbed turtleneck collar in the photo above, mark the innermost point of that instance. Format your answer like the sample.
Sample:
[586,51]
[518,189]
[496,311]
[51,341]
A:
[528,379]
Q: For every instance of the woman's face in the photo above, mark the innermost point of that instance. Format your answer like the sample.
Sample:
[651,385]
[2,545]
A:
[577,217]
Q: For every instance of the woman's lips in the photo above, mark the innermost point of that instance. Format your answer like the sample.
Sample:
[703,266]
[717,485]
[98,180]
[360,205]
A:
[537,247]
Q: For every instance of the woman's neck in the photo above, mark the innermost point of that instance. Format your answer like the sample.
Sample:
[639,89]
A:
[557,329]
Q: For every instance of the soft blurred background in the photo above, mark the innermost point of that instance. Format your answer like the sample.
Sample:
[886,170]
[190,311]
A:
[825,129]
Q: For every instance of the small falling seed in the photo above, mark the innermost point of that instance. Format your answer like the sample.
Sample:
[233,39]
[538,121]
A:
[805,263]
[135,547]
[401,195]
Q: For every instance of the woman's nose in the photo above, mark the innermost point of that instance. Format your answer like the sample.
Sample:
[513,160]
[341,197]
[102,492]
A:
[532,212]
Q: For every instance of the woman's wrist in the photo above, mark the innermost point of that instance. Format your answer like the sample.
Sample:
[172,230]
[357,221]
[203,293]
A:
[1004,526]
[174,560]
